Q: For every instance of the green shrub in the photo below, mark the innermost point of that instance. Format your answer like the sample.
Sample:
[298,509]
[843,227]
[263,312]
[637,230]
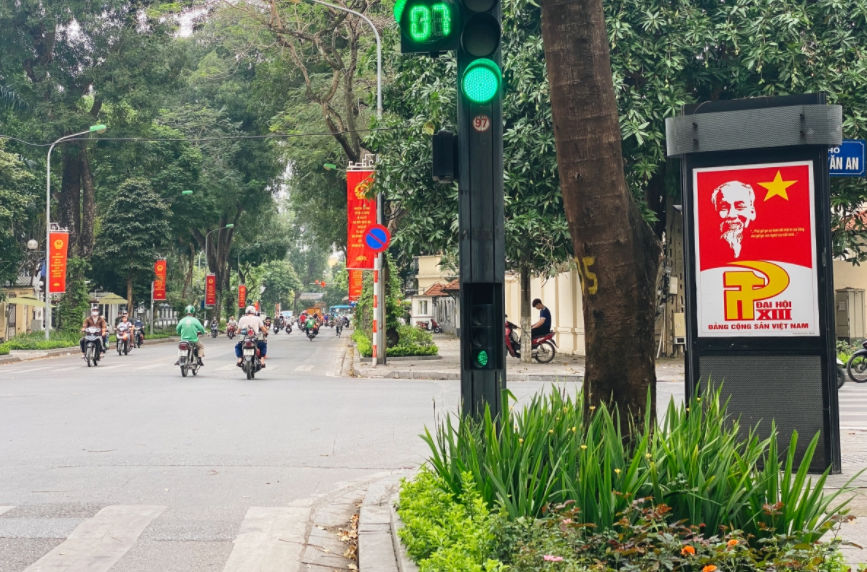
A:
[444,534]
[4,349]
[410,336]
[37,341]
[365,347]
[549,452]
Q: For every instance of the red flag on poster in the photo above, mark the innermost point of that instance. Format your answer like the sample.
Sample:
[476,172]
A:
[210,290]
[59,243]
[361,213]
[355,282]
[159,280]
[242,296]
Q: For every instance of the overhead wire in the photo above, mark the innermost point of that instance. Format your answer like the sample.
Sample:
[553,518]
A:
[223,138]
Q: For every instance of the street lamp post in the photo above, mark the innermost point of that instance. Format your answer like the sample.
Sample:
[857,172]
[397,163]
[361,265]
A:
[47,314]
[378,289]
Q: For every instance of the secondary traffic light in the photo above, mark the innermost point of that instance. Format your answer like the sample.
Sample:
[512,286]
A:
[427,26]
[483,336]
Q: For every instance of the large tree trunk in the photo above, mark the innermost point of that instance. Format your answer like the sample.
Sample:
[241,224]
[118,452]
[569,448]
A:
[70,195]
[616,251]
[88,207]
[526,338]
[129,307]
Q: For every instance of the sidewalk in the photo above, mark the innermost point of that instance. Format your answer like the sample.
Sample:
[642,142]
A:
[27,355]
[563,368]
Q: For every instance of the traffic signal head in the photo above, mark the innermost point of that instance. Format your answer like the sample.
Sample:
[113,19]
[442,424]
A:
[483,336]
[427,25]
[480,39]
[481,81]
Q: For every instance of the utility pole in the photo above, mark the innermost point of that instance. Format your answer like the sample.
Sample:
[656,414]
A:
[472,28]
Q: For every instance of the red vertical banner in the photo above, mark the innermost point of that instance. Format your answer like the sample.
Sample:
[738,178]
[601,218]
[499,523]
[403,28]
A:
[159,280]
[355,282]
[57,249]
[242,296]
[257,305]
[361,213]
[210,290]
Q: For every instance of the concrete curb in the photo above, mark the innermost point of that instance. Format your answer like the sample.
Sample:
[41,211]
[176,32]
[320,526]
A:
[59,352]
[404,358]
[404,564]
[446,375]
[376,548]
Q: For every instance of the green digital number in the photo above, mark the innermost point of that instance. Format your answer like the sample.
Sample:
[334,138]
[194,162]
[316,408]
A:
[425,22]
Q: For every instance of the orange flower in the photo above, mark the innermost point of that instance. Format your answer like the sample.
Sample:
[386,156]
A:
[732,542]
[687,550]
[709,568]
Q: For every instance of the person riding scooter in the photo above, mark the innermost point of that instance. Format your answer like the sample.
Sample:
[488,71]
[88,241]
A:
[252,322]
[189,328]
[95,321]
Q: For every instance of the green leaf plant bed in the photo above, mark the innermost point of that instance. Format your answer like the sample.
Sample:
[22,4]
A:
[412,343]
[558,488]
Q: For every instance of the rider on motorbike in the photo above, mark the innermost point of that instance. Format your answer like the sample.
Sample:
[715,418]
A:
[140,325]
[252,322]
[189,328]
[311,324]
[124,319]
[231,324]
[267,321]
[95,321]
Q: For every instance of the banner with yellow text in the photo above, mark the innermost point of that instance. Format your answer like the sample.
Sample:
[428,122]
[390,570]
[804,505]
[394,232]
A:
[355,283]
[159,280]
[210,290]
[58,246]
[361,213]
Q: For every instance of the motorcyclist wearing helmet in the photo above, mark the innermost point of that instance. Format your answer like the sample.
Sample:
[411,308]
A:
[140,325]
[189,328]
[124,319]
[252,322]
[95,321]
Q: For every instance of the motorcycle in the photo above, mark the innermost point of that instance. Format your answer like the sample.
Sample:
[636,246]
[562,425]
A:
[339,328]
[311,332]
[124,338]
[276,328]
[230,331]
[214,331]
[251,363]
[841,373]
[544,347]
[187,359]
[857,366]
[288,327]
[138,336]
[92,345]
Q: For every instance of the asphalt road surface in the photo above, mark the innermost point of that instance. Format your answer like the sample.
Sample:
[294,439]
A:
[131,467]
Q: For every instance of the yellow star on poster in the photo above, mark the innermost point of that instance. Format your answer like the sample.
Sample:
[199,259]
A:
[777,187]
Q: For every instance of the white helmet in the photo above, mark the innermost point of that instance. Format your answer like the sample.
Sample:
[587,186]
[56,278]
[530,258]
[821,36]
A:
[251,310]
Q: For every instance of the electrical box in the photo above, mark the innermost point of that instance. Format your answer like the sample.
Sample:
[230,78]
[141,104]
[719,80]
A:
[679,328]
[849,313]
[672,286]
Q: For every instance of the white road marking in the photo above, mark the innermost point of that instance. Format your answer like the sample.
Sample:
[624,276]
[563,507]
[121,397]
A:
[106,367]
[227,367]
[28,370]
[270,539]
[153,365]
[304,368]
[99,542]
[5,509]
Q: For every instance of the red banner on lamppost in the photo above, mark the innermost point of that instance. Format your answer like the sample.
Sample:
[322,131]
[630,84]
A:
[159,280]
[356,278]
[361,213]
[210,290]
[242,296]
[57,249]
[257,305]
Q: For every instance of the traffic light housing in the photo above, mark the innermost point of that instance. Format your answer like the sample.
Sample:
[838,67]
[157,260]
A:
[483,336]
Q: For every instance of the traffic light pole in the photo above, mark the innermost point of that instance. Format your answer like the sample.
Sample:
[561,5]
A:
[482,250]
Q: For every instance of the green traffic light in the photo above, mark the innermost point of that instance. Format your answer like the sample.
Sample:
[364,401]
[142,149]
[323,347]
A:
[398,10]
[482,358]
[481,81]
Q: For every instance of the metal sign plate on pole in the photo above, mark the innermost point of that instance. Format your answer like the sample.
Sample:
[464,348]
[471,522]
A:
[848,158]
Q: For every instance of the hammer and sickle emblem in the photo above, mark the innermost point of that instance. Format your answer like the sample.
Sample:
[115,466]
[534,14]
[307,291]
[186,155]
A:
[745,287]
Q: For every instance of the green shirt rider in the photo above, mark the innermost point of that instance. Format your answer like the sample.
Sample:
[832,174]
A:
[189,328]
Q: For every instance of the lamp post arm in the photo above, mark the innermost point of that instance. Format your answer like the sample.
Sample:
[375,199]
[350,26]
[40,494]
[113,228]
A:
[378,51]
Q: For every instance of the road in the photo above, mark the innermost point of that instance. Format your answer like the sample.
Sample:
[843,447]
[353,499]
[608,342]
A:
[169,471]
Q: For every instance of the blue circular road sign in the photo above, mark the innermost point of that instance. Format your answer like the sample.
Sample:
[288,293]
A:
[377,238]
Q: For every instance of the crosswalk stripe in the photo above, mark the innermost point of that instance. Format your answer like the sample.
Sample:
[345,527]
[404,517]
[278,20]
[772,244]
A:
[304,368]
[99,542]
[271,539]
[5,509]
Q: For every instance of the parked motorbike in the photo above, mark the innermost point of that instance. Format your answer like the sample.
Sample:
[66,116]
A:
[92,345]
[187,359]
[230,331]
[544,347]
[431,326]
[252,362]
[124,338]
[435,328]
[138,336]
[857,366]
[214,331]
[841,373]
